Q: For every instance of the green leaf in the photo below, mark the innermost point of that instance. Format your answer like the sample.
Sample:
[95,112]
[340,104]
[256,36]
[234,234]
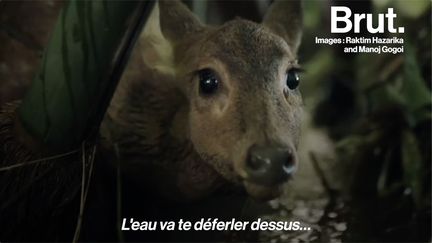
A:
[80,69]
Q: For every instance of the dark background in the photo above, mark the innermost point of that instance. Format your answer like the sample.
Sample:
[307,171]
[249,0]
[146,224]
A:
[365,150]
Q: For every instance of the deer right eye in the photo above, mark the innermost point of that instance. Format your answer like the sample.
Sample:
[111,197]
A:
[292,79]
[208,82]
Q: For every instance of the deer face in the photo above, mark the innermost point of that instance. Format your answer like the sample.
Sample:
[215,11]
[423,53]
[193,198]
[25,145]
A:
[241,82]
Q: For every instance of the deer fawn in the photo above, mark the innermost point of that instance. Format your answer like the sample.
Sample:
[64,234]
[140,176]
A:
[201,106]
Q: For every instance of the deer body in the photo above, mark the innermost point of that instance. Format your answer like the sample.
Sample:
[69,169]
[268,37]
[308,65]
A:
[200,106]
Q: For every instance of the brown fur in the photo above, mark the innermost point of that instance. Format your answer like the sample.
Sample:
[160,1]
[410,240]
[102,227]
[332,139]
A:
[183,143]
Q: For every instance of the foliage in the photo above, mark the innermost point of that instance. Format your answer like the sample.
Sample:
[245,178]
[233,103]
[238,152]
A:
[80,68]
[381,123]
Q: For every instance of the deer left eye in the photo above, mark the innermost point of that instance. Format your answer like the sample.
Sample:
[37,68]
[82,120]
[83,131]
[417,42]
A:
[292,79]
[208,82]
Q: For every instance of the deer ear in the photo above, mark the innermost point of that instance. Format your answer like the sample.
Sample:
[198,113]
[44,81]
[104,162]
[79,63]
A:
[169,22]
[285,18]
[176,20]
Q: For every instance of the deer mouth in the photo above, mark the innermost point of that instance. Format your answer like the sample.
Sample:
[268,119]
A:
[262,192]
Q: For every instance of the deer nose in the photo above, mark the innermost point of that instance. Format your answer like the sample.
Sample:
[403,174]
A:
[270,165]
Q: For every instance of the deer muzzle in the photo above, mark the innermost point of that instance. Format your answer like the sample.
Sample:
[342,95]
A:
[270,165]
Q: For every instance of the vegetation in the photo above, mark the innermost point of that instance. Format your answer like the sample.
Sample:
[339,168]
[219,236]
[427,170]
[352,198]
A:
[377,108]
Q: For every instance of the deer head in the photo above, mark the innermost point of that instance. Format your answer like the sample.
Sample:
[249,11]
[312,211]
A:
[240,82]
